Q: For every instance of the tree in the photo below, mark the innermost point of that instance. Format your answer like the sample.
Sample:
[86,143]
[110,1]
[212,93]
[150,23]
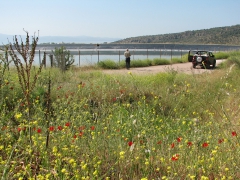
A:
[62,58]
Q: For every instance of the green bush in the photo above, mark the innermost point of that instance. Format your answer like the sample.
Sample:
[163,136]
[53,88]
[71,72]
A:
[108,64]
[177,60]
[222,55]
[235,59]
[158,61]
[141,63]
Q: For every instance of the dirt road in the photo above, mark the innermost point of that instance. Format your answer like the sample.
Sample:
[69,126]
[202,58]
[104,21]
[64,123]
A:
[181,68]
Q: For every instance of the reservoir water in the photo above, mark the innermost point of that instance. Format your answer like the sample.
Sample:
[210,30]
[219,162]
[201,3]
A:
[89,54]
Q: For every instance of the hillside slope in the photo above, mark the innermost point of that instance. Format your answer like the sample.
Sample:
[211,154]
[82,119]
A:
[229,35]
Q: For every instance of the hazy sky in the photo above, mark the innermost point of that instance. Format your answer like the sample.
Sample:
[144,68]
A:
[115,18]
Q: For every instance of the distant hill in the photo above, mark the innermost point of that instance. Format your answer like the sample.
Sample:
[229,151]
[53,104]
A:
[75,39]
[4,39]
[229,35]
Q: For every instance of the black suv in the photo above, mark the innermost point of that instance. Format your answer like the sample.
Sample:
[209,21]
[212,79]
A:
[204,59]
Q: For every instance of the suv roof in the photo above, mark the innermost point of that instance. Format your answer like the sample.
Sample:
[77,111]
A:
[200,50]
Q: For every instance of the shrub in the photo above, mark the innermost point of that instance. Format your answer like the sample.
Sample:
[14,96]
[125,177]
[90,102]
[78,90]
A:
[62,58]
[221,55]
[108,64]
[158,61]
[177,60]
[234,60]
[141,63]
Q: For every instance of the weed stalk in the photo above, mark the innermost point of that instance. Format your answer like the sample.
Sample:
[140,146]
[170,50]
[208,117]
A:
[27,52]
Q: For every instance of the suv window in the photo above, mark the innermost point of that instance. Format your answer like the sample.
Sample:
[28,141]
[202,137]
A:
[203,53]
[191,53]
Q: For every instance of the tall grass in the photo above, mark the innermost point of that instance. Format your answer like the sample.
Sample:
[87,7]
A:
[226,55]
[110,64]
[163,126]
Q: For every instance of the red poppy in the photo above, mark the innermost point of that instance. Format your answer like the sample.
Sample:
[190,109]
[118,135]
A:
[39,130]
[172,145]
[92,128]
[51,128]
[19,129]
[114,99]
[234,133]
[159,142]
[81,133]
[205,144]
[60,128]
[130,143]
[220,141]
[175,157]
[179,139]
[67,124]
[75,136]
[189,143]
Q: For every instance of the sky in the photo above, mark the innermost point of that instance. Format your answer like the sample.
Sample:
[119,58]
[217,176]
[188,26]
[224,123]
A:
[115,18]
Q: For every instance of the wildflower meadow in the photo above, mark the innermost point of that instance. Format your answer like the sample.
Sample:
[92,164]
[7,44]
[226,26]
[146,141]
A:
[84,124]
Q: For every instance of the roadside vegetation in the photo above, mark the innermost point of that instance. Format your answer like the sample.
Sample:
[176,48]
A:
[89,125]
[111,64]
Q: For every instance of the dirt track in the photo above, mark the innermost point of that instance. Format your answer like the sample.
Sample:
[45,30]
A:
[181,68]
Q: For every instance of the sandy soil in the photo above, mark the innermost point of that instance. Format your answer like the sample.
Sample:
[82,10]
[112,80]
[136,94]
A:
[181,68]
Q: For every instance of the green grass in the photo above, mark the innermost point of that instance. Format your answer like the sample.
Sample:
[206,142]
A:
[226,55]
[110,64]
[98,126]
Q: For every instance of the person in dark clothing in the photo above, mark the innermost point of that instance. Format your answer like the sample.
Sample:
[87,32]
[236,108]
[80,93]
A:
[127,55]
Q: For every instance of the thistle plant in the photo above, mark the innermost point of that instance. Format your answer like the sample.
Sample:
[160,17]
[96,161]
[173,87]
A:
[27,79]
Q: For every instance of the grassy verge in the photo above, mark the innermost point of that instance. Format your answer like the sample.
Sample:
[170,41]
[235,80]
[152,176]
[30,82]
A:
[110,64]
[89,125]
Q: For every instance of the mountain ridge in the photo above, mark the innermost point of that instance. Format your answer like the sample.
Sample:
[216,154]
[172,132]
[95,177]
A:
[5,39]
[228,35]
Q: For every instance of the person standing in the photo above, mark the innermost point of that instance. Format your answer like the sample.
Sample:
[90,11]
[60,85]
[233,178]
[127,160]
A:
[127,56]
